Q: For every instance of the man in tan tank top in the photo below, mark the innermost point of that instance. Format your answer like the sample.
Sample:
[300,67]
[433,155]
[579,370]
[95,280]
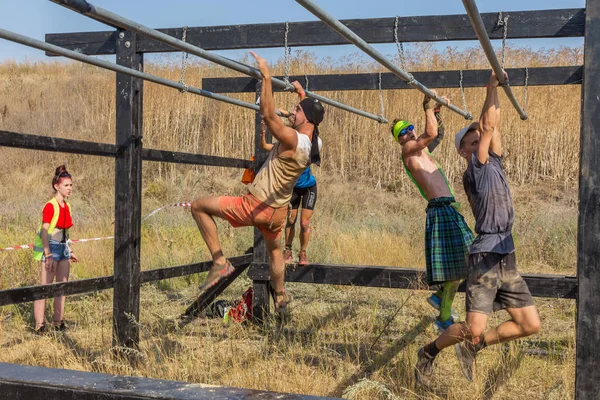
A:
[447,236]
[266,203]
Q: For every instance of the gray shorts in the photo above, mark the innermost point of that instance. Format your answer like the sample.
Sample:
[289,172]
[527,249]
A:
[494,283]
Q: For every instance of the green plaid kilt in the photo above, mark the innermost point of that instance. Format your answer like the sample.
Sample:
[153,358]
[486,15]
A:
[447,242]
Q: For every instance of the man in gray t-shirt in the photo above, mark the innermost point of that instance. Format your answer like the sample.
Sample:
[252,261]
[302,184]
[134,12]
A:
[493,281]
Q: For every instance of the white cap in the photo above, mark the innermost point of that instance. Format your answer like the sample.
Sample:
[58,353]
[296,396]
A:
[459,137]
[461,134]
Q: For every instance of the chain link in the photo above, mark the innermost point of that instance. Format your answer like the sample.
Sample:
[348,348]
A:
[503,22]
[381,97]
[286,54]
[306,82]
[184,63]
[525,90]
[462,91]
[399,45]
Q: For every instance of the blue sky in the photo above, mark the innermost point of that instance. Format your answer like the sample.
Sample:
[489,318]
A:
[35,18]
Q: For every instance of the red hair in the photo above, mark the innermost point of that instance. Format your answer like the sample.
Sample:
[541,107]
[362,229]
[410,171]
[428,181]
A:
[60,174]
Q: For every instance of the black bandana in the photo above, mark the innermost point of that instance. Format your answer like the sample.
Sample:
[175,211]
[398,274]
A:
[314,111]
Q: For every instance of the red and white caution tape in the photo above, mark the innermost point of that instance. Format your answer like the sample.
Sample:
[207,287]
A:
[30,246]
[168,205]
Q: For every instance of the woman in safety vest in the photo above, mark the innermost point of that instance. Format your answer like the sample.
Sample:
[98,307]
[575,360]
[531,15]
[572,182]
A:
[52,247]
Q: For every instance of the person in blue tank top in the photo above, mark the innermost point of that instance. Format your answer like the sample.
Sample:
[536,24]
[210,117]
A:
[305,193]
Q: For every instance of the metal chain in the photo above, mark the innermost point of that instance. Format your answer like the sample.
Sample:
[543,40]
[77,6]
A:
[525,90]
[184,62]
[503,22]
[462,91]
[381,98]
[399,45]
[306,80]
[286,54]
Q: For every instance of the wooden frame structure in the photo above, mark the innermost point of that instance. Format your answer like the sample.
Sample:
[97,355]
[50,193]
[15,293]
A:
[129,153]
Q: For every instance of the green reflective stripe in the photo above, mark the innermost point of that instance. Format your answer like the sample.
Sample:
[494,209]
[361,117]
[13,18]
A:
[412,178]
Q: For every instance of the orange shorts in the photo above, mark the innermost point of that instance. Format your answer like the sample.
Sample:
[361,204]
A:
[247,210]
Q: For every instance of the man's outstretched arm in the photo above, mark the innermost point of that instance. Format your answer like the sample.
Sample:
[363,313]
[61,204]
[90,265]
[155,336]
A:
[285,136]
[488,122]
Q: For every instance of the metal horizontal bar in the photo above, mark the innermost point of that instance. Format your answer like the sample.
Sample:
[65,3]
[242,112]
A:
[31,293]
[435,79]
[196,159]
[27,382]
[27,41]
[486,44]
[85,8]
[376,55]
[37,142]
[430,28]
[401,278]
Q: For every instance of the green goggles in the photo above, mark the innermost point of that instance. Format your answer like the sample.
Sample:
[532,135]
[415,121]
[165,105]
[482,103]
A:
[401,128]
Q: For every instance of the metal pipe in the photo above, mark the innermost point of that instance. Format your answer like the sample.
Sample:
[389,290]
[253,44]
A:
[486,44]
[376,55]
[27,41]
[107,17]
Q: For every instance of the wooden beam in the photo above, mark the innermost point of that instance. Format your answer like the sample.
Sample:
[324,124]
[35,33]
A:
[402,278]
[183,270]
[31,293]
[128,196]
[587,373]
[195,159]
[26,382]
[572,75]
[37,142]
[523,24]
[261,300]
[211,294]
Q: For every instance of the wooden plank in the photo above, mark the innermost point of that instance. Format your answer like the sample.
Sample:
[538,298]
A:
[37,142]
[211,294]
[21,382]
[402,278]
[31,293]
[159,274]
[261,301]
[128,185]
[587,373]
[435,79]
[195,159]
[523,24]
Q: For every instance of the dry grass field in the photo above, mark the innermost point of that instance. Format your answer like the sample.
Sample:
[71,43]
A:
[359,343]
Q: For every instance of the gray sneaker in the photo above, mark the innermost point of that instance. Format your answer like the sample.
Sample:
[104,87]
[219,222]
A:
[424,367]
[465,352]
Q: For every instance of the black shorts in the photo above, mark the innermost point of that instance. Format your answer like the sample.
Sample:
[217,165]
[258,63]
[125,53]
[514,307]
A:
[308,196]
[494,283]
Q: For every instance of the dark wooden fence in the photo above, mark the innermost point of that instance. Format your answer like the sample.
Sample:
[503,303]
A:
[129,153]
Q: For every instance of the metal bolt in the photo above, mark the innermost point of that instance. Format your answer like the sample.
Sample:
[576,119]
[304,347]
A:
[127,44]
[121,35]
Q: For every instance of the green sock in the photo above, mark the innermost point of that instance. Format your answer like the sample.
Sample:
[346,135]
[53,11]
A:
[448,292]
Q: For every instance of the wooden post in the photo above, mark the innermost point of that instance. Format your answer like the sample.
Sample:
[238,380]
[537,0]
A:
[587,373]
[260,295]
[128,183]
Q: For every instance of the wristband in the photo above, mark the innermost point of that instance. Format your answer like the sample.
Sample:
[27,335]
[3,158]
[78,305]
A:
[48,255]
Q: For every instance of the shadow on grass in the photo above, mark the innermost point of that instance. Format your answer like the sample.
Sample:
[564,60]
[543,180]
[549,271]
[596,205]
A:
[383,359]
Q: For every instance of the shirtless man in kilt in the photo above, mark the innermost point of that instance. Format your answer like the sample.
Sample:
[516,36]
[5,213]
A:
[447,236]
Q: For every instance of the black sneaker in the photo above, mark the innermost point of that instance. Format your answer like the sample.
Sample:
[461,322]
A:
[41,331]
[424,367]
[62,327]
[465,352]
